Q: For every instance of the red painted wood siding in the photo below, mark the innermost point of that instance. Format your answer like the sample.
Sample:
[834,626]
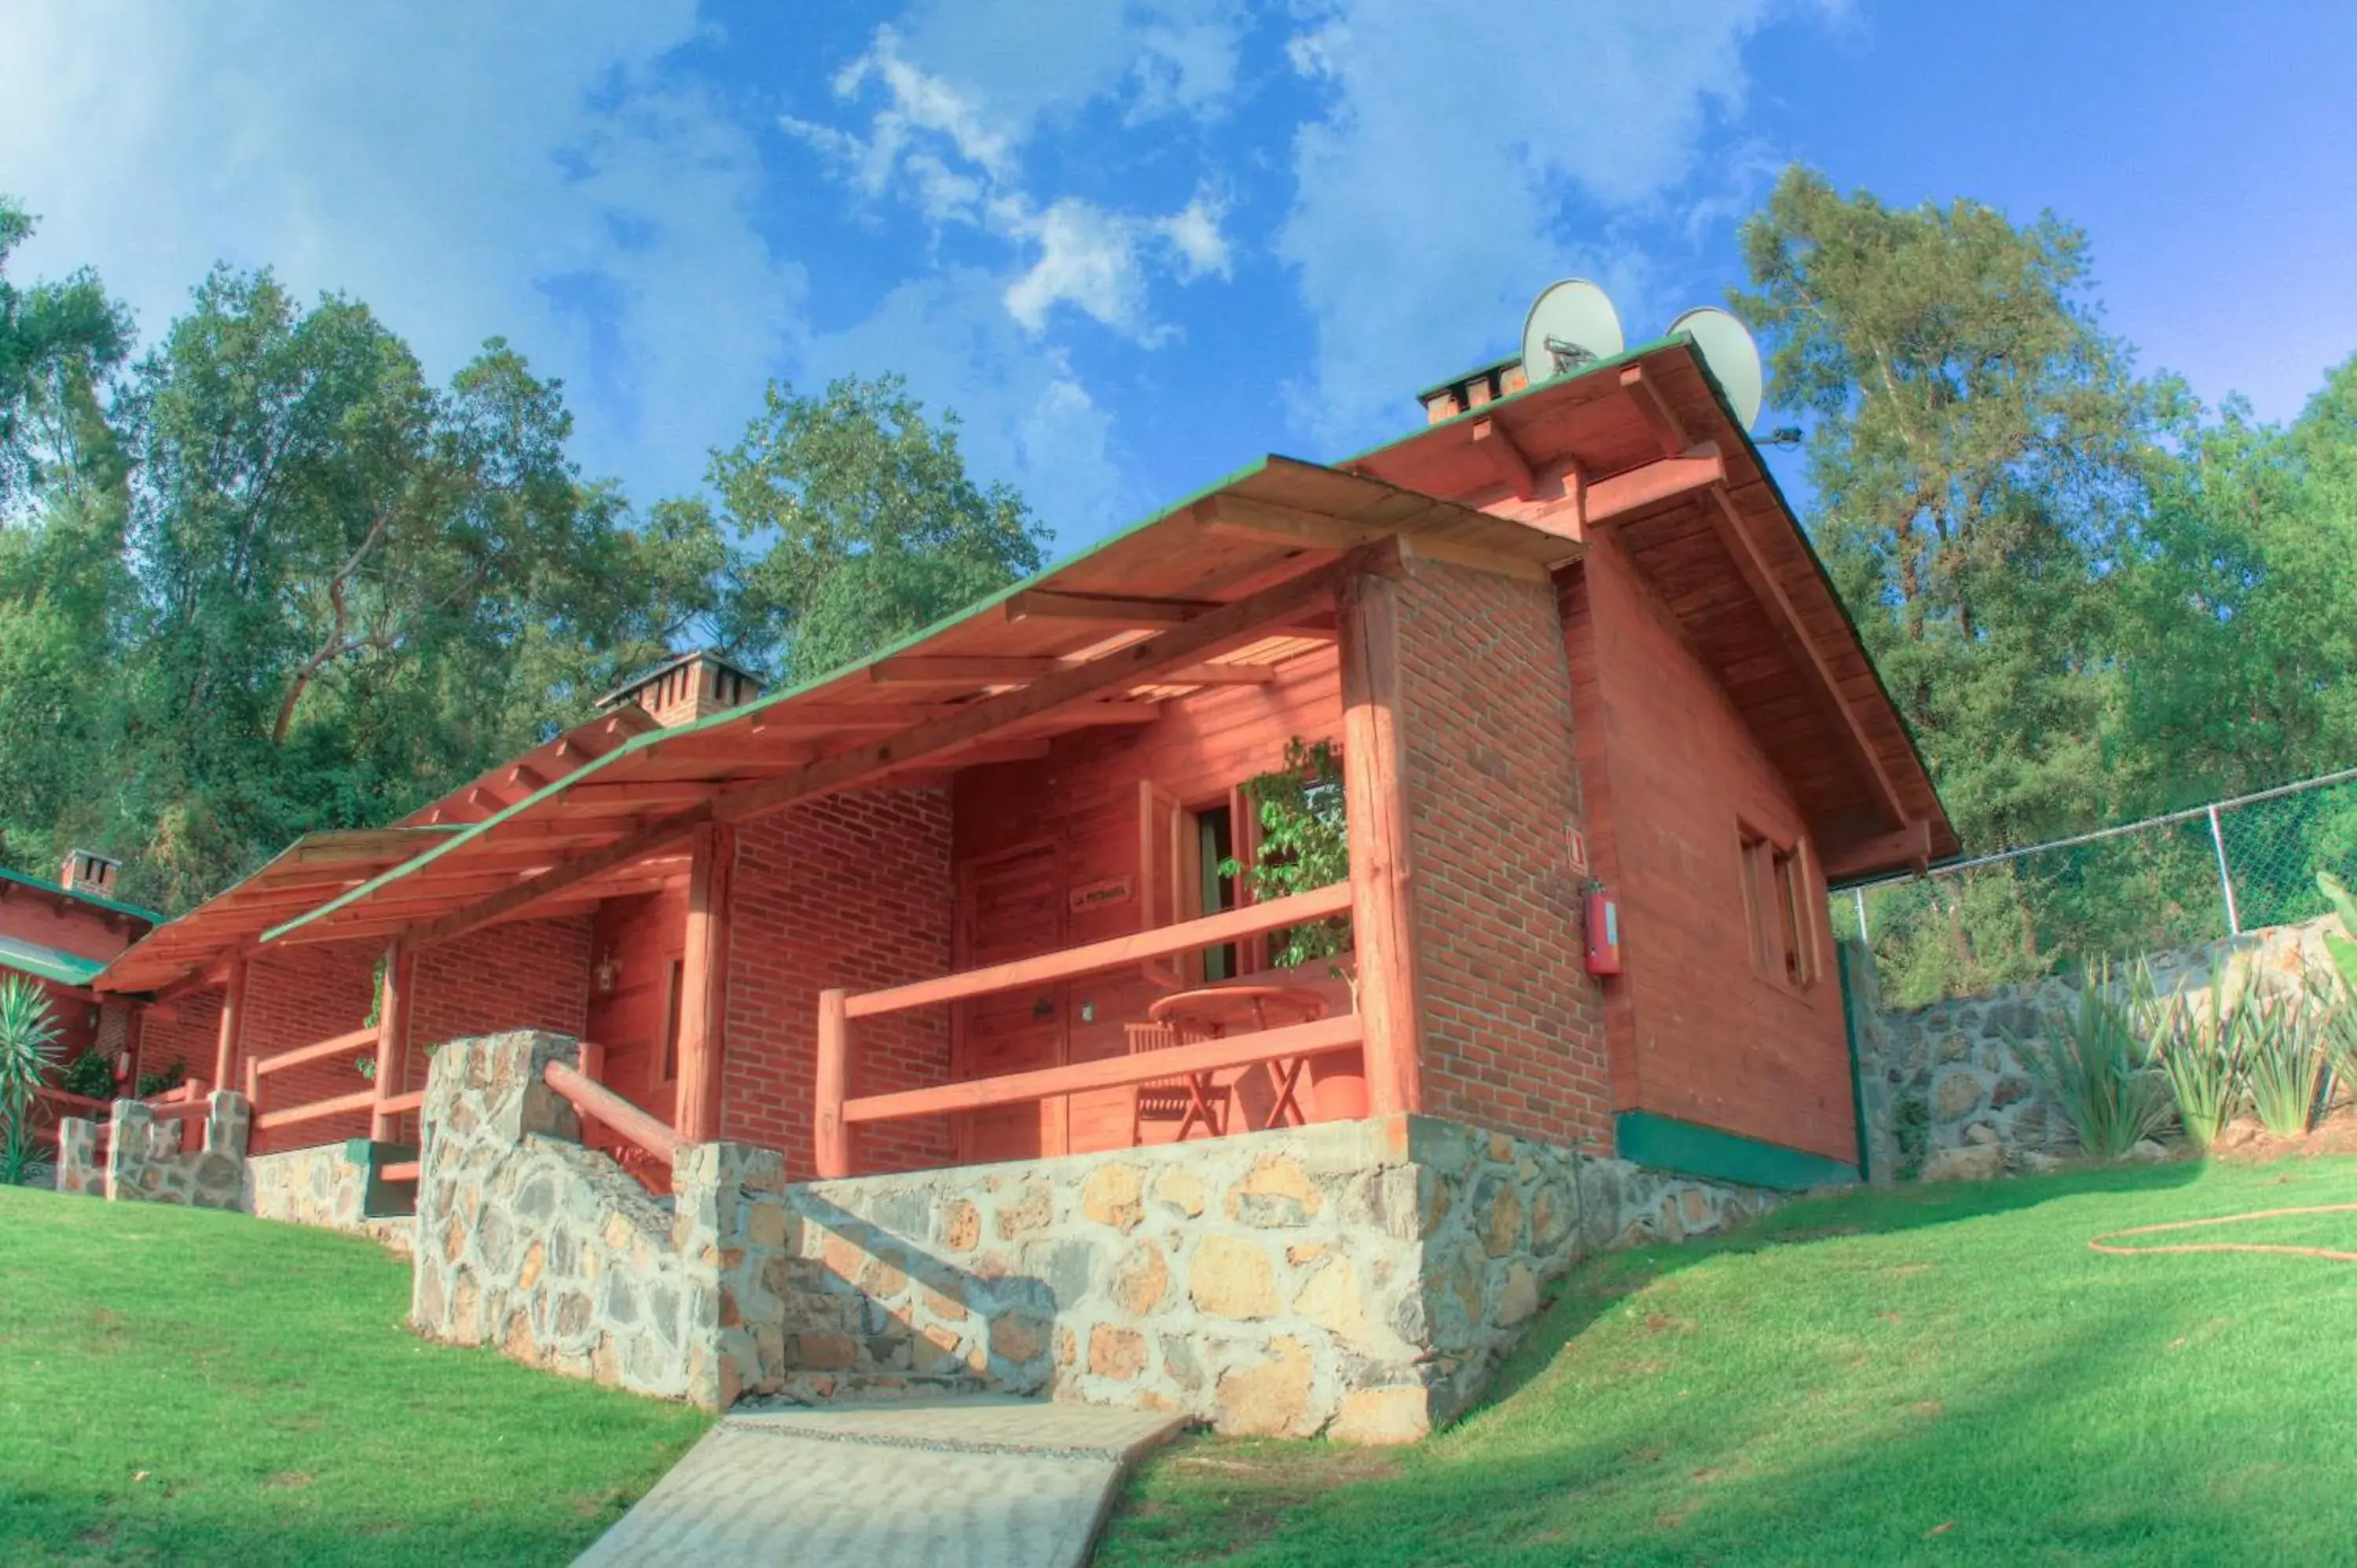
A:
[1670,769]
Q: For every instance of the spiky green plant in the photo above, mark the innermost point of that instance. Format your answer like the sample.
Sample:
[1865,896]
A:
[2092,1060]
[2286,1052]
[29,1050]
[2197,1043]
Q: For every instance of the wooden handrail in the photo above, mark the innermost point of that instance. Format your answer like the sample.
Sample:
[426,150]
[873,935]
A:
[401,1104]
[180,1110]
[260,1067]
[1314,1039]
[358,1101]
[78,1101]
[399,1170]
[593,1099]
[1212,931]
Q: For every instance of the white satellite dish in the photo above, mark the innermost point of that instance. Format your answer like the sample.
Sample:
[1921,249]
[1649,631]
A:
[1726,348]
[1571,324]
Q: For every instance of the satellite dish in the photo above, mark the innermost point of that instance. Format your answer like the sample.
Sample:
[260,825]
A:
[1571,324]
[1726,348]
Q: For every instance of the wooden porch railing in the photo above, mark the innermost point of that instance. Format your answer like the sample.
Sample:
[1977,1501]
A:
[838,1112]
[358,1042]
[593,1099]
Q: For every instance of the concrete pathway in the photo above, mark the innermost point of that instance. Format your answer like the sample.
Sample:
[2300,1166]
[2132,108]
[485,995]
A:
[980,1481]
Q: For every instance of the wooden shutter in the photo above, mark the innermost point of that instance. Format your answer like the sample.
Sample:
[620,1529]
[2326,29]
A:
[1161,872]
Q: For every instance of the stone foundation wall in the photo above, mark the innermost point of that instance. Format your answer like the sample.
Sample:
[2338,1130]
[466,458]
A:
[1959,1101]
[145,1160]
[1359,1279]
[1354,1278]
[327,1186]
[530,1241]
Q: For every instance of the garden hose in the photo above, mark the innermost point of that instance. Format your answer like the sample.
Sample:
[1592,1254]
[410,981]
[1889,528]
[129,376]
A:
[2100,1242]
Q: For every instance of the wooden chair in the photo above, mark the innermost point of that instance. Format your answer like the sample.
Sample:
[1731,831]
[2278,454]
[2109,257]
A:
[1186,1098]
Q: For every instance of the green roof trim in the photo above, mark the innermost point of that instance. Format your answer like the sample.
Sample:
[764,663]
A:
[1691,1149]
[768,700]
[134,910]
[48,963]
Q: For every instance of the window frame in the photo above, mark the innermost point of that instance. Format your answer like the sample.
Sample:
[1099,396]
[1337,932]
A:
[1786,935]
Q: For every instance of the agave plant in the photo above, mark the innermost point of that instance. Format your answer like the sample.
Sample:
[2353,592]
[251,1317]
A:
[2286,1052]
[28,1048]
[2197,1044]
[2092,1060]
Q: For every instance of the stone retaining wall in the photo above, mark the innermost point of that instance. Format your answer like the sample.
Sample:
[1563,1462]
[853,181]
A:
[327,1186]
[1960,1100]
[1354,1278]
[145,1161]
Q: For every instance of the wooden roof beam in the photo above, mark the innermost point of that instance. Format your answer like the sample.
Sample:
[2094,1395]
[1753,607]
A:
[1910,845]
[1236,516]
[1645,394]
[1816,676]
[1048,603]
[1653,484]
[967,669]
[1491,438]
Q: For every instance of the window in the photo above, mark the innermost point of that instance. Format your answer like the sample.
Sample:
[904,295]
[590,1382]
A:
[672,999]
[1215,843]
[1780,908]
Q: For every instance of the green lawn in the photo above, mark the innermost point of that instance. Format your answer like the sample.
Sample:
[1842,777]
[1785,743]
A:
[1945,1375]
[181,1387]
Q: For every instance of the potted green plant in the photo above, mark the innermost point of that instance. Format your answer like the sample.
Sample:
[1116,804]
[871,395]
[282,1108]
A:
[1305,845]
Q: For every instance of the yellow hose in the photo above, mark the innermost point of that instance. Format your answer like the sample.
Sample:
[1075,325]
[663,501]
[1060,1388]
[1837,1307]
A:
[2098,1243]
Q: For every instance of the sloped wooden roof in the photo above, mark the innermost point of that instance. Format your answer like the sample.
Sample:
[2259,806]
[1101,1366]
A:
[1209,592]
[1730,562]
[1221,550]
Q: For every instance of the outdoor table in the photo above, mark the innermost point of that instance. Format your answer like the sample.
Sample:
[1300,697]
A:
[1213,1012]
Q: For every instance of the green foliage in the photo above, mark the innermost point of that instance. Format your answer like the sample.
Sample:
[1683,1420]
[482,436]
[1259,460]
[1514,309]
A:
[2342,945]
[857,526]
[2198,1044]
[28,1035]
[89,1075]
[154,1083]
[2285,1054]
[2092,1062]
[1304,845]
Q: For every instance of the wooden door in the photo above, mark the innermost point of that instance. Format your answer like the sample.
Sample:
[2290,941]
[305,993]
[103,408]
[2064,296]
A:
[640,944]
[1010,906]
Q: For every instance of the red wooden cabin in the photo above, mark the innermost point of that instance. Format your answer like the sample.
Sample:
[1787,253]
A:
[926,909]
[60,935]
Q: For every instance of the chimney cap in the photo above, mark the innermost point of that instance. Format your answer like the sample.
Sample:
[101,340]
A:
[649,676]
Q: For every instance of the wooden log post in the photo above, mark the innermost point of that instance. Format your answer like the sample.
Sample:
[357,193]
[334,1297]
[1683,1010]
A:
[703,970]
[1382,912]
[232,1015]
[392,1039]
[830,1134]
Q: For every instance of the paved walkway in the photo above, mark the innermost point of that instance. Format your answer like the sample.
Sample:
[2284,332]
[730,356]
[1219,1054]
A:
[981,1481]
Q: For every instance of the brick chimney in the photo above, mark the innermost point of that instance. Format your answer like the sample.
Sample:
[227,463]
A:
[686,688]
[1472,389]
[86,872]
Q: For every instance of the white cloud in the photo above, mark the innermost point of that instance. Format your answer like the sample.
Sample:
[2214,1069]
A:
[1431,193]
[952,155]
[1027,419]
[528,169]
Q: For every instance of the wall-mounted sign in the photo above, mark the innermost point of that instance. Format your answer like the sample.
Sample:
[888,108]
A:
[1578,851]
[1100,895]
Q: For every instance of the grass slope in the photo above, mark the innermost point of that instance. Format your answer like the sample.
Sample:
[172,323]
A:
[181,1387]
[1944,1375]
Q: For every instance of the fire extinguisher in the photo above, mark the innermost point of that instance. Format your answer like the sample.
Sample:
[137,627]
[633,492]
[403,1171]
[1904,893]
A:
[1603,931]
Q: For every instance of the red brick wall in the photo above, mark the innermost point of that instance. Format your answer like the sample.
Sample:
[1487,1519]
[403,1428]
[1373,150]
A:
[1514,1026]
[532,974]
[852,890]
[186,1029]
[1671,769]
[299,996]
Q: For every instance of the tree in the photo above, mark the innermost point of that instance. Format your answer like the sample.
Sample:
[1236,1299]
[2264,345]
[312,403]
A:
[857,526]
[1982,456]
[59,342]
[354,590]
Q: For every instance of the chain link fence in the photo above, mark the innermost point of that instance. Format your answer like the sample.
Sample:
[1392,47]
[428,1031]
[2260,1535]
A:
[2169,881]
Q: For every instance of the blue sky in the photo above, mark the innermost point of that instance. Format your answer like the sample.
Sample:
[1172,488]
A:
[1137,245]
